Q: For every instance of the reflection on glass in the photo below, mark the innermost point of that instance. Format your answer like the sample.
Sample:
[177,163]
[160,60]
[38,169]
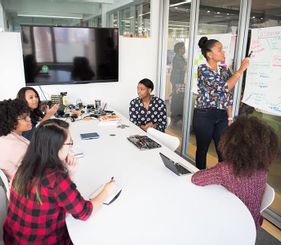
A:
[178,34]
[264,15]
[177,81]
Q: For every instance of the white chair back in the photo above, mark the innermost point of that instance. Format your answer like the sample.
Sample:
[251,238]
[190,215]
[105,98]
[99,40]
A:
[4,188]
[5,183]
[170,141]
[268,197]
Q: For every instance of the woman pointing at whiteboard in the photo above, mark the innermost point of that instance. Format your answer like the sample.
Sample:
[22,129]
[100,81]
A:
[213,106]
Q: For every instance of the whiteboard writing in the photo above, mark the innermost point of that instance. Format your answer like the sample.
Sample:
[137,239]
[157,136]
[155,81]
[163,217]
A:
[263,82]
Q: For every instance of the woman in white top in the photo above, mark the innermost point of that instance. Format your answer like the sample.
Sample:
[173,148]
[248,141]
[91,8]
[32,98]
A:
[14,121]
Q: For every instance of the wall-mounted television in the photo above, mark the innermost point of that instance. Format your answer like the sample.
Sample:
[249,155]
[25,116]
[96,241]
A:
[66,55]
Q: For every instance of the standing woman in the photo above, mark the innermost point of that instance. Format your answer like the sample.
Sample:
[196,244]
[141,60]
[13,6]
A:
[14,122]
[30,96]
[42,191]
[213,106]
[148,111]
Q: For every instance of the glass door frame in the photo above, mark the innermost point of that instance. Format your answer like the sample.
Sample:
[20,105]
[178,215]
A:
[240,51]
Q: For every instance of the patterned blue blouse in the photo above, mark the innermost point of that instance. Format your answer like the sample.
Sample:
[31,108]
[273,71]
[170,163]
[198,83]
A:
[156,113]
[213,88]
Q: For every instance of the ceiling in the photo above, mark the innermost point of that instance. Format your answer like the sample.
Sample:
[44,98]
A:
[52,11]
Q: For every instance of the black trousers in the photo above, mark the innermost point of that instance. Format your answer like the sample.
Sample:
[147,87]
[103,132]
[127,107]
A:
[208,124]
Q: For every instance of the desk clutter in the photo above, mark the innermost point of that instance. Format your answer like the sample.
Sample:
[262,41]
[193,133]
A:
[143,142]
[80,111]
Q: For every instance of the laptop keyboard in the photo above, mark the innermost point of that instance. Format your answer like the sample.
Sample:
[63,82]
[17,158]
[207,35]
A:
[181,169]
[143,142]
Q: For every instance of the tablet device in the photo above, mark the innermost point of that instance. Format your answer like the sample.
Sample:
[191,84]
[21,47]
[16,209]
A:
[89,136]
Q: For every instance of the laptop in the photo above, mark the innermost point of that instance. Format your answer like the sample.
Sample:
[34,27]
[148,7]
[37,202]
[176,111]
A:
[143,142]
[173,166]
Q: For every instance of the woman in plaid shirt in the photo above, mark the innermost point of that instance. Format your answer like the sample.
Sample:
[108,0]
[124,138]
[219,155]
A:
[42,191]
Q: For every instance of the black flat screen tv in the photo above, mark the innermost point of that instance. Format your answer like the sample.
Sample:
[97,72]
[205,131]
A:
[67,55]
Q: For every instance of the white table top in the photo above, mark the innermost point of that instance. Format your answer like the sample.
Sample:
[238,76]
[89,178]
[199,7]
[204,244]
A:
[155,206]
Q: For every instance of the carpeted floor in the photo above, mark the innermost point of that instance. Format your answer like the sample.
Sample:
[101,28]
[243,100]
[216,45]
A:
[264,238]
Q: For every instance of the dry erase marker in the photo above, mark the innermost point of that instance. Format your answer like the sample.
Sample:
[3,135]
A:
[249,55]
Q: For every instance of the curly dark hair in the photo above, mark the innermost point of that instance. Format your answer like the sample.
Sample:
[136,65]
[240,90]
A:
[10,110]
[249,144]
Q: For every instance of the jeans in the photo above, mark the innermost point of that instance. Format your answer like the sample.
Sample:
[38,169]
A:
[208,124]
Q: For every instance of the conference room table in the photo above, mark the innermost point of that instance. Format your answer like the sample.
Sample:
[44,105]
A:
[155,206]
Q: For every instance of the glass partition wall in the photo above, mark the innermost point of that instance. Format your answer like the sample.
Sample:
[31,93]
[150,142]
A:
[221,20]
[176,63]
[266,18]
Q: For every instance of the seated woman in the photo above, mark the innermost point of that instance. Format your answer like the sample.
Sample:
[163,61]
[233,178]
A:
[147,110]
[42,191]
[30,96]
[14,121]
[248,147]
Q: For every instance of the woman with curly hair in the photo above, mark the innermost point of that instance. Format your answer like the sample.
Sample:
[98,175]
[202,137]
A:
[30,96]
[42,192]
[14,121]
[248,147]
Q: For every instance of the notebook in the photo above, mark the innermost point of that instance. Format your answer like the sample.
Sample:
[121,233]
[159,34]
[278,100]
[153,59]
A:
[143,142]
[173,166]
[89,136]
[112,197]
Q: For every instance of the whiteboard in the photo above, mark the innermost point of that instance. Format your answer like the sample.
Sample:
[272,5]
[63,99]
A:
[263,82]
[11,65]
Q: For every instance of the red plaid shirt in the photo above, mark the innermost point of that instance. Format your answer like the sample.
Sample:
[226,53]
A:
[29,222]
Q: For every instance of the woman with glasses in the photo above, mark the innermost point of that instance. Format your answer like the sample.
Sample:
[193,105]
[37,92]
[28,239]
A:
[42,191]
[30,96]
[14,121]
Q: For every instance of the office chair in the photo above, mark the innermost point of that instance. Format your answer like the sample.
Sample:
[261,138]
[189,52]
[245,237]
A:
[268,197]
[170,141]
[4,198]
[4,182]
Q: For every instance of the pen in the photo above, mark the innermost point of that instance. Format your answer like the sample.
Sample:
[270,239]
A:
[112,178]
[249,55]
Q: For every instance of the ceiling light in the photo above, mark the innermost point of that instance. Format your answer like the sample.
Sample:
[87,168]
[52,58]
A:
[180,3]
[50,16]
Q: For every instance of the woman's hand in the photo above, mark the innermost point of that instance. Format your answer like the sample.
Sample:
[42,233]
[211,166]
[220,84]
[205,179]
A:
[71,162]
[110,186]
[244,65]
[51,111]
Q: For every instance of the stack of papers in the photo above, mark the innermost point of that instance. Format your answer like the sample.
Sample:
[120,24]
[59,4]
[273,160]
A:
[109,119]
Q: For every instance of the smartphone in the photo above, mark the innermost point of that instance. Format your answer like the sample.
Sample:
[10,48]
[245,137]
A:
[249,55]
[89,136]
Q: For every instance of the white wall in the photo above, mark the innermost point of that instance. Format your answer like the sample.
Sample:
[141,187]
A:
[11,65]
[137,60]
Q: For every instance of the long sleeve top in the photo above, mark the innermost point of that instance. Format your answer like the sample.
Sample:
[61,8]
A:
[249,189]
[156,113]
[13,148]
[31,222]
